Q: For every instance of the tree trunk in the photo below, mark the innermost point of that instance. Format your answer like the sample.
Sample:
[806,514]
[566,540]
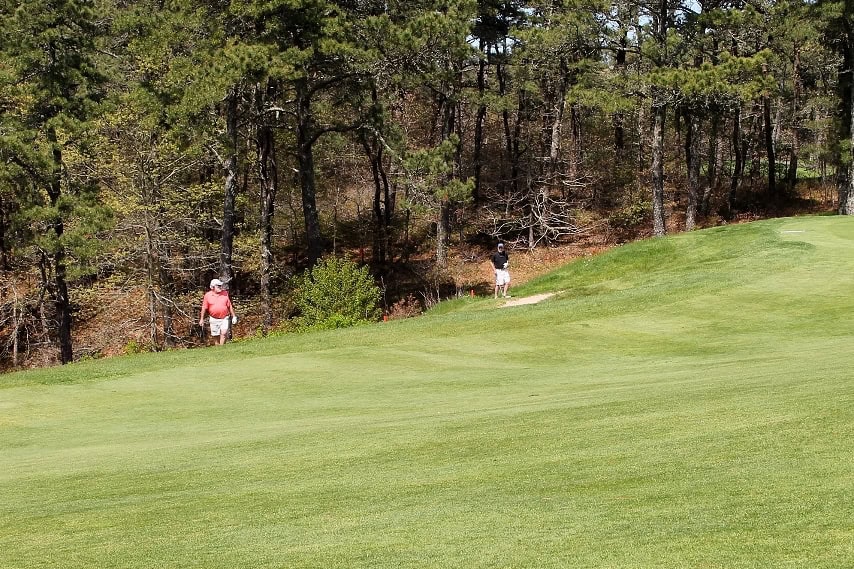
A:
[692,158]
[230,197]
[845,174]
[306,137]
[269,182]
[576,152]
[619,117]
[375,157]
[511,135]
[769,146]
[846,193]
[4,257]
[442,232]
[544,174]
[477,157]
[658,215]
[792,175]
[383,201]
[448,111]
[714,162]
[153,264]
[554,129]
[17,322]
[167,293]
[62,302]
[738,151]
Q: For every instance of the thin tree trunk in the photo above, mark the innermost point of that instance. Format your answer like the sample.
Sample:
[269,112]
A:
[553,131]
[713,165]
[792,177]
[619,117]
[305,159]
[511,136]
[477,157]
[62,302]
[448,113]
[152,263]
[375,157]
[231,179]
[692,158]
[846,201]
[738,150]
[660,114]
[658,214]
[383,202]
[769,146]
[269,182]
[4,257]
[16,330]
[166,295]
[845,170]
[576,152]
[846,80]
[442,232]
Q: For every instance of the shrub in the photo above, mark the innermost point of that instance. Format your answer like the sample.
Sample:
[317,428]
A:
[626,221]
[134,346]
[337,293]
[405,308]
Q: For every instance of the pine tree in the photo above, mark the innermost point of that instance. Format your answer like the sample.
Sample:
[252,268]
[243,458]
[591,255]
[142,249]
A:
[837,21]
[51,87]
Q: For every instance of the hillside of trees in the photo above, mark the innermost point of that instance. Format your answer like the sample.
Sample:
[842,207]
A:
[148,146]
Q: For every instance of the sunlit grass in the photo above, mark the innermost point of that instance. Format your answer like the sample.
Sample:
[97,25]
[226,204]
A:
[682,402]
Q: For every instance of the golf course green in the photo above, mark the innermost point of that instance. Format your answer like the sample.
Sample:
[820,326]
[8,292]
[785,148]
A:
[681,402]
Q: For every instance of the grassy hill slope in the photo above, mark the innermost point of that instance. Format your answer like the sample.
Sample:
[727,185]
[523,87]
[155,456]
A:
[682,402]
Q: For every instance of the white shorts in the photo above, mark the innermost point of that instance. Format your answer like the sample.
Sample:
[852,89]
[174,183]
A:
[220,326]
[502,277]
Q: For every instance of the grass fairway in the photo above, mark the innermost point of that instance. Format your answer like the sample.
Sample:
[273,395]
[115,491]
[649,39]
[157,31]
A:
[682,402]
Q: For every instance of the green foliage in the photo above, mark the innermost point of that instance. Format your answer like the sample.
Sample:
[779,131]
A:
[134,346]
[337,293]
[51,88]
[626,220]
[732,77]
[429,175]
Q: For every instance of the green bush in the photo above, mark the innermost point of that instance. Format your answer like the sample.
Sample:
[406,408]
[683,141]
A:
[337,293]
[625,221]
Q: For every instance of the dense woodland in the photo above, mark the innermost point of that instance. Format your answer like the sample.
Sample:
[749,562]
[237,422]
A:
[148,146]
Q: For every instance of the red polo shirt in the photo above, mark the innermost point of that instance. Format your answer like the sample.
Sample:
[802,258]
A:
[217,304]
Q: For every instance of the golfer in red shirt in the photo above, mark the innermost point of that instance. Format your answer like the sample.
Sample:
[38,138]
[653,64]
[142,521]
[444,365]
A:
[217,303]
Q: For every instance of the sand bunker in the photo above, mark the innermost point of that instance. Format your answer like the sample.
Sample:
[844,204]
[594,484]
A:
[527,300]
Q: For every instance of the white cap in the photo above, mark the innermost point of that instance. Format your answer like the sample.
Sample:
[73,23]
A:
[216,282]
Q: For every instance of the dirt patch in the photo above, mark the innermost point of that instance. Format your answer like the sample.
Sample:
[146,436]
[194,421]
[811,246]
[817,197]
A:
[527,300]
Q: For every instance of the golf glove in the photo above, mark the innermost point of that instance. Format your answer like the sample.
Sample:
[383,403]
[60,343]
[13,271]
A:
[234,319]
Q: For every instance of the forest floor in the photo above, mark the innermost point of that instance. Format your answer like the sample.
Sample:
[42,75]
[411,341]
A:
[471,267]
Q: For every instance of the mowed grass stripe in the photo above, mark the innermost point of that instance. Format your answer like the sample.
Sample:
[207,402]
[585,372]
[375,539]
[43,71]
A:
[682,404]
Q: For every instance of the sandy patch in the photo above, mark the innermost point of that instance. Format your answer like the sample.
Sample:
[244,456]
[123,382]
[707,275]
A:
[527,300]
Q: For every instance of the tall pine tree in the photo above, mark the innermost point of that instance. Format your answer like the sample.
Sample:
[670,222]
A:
[51,87]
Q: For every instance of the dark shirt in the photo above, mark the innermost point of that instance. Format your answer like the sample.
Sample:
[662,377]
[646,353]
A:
[499,259]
